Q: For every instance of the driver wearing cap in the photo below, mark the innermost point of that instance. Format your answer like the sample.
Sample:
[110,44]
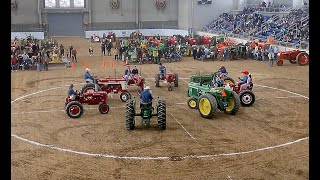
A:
[146,96]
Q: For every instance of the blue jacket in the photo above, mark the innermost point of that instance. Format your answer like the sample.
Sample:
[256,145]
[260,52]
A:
[222,70]
[244,79]
[71,91]
[162,69]
[127,72]
[146,96]
[87,75]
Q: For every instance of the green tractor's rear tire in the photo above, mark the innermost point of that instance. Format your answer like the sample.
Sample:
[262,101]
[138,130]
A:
[129,115]
[161,110]
[207,105]
[193,103]
[234,104]
[176,80]
[157,80]
[228,80]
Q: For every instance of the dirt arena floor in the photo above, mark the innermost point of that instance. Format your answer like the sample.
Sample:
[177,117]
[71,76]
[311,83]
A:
[268,140]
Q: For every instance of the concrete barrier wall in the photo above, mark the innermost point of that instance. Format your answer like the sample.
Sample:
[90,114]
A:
[23,35]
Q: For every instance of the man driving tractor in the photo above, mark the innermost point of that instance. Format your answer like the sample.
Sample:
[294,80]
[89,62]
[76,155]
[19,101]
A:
[162,70]
[222,69]
[245,80]
[127,73]
[87,76]
[71,93]
[146,96]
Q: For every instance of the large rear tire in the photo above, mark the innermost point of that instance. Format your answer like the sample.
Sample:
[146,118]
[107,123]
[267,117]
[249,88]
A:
[234,104]
[157,80]
[247,97]
[302,58]
[207,106]
[89,87]
[228,80]
[176,80]
[74,109]
[129,115]
[161,110]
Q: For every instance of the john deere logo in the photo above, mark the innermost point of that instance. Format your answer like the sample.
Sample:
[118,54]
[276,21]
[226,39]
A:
[114,4]
[161,4]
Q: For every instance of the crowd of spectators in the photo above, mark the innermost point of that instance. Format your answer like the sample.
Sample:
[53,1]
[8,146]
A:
[291,28]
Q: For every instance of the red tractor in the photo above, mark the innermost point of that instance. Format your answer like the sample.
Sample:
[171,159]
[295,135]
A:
[172,40]
[191,41]
[169,78]
[206,40]
[293,56]
[247,97]
[116,85]
[74,104]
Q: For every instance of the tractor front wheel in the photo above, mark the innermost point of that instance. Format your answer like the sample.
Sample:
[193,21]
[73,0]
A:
[207,105]
[161,110]
[193,103]
[279,62]
[129,115]
[74,109]
[247,97]
[234,104]
[104,108]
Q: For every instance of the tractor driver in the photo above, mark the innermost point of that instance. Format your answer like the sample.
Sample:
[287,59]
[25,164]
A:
[71,93]
[162,70]
[87,76]
[127,73]
[222,69]
[245,81]
[146,96]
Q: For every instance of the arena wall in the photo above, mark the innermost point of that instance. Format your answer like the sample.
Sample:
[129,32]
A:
[26,13]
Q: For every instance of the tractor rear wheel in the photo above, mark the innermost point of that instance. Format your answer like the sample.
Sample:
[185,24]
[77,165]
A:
[89,87]
[125,96]
[234,104]
[176,80]
[104,108]
[193,103]
[228,80]
[129,115]
[247,97]
[302,58]
[207,105]
[157,80]
[279,62]
[74,109]
[161,110]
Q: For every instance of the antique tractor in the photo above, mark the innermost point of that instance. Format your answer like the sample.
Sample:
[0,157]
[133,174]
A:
[116,85]
[207,100]
[146,113]
[207,78]
[109,85]
[294,56]
[74,104]
[242,51]
[169,78]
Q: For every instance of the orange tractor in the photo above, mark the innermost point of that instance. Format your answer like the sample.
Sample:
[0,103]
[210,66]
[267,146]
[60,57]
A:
[294,56]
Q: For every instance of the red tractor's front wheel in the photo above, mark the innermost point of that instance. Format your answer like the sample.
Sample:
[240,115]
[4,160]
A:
[279,62]
[104,108]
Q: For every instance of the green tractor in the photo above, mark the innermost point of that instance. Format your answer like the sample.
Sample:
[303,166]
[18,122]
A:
[206,79]
[207,100]
[146,113]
